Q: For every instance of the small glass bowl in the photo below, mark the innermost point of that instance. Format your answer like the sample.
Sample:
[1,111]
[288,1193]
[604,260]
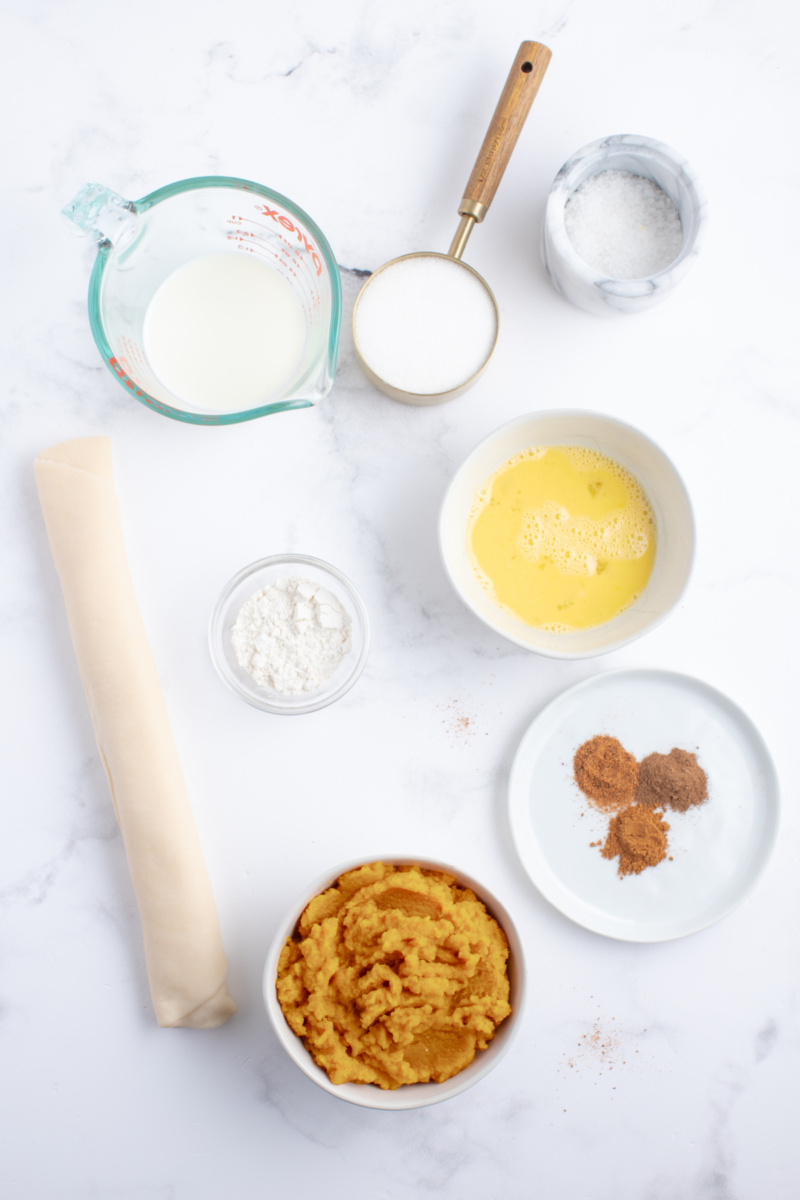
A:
[262,574]
[570,274]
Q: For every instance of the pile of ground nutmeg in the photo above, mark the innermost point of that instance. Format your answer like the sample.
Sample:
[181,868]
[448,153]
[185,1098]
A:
[635,795]
[673,780]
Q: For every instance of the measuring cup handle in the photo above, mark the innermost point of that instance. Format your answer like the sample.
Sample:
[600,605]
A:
[100,212]
[512,108]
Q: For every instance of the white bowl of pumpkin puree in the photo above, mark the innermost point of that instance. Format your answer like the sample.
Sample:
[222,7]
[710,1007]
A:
[395,983]
[568,532]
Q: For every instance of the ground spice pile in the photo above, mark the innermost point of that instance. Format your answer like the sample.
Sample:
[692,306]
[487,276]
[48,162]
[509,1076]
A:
[638,837]
[606,772]
[634,796]
[673,780]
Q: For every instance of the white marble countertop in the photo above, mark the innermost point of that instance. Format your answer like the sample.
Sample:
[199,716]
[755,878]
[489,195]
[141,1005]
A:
[643,1072]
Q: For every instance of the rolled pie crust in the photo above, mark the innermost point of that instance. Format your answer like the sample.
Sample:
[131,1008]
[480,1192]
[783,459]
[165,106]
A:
[182,942]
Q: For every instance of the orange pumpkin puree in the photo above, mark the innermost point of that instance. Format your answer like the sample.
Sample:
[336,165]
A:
[394,975]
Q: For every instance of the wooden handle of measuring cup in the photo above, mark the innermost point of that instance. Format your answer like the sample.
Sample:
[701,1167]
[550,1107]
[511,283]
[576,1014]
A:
[512,108]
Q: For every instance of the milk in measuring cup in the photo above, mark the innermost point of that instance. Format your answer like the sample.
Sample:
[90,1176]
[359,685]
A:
[224,332]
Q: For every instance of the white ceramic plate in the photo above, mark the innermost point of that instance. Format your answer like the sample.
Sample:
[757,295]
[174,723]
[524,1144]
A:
[719,849]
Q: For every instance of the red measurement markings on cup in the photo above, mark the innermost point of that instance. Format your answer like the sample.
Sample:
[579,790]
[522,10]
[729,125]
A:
[289,226]
[121,374]
[124,377]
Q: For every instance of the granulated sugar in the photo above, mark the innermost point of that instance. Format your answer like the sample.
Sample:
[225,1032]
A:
[623,225]
[425,325]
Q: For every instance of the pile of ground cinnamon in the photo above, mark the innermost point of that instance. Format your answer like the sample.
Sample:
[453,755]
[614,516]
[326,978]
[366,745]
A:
[638,837]
[673,780]
[606,772]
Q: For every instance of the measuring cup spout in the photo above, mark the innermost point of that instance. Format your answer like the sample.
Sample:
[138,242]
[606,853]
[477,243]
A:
[100,212]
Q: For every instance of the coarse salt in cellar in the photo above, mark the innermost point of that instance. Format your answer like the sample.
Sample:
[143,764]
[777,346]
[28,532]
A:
[623,225]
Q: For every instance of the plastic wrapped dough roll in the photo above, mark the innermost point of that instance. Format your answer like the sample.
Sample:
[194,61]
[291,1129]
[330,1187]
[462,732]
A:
[183,947]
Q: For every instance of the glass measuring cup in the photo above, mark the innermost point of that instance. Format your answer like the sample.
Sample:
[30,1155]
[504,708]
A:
[141,243]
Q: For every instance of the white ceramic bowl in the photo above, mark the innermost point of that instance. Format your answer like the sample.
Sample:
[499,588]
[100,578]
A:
[415,1095]
[571,275]
[262,574]
[627,446]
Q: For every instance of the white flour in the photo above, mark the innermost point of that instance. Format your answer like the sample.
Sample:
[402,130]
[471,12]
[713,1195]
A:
[291,636]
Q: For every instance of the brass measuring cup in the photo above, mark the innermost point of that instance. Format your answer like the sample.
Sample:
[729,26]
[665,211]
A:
[520,89]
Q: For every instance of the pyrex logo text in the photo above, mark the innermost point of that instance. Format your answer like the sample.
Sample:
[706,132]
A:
[292,228]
